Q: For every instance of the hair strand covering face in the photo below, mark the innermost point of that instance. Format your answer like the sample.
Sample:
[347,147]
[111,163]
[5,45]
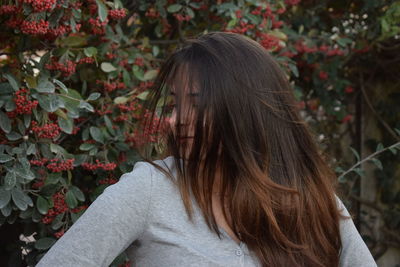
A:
[277,190]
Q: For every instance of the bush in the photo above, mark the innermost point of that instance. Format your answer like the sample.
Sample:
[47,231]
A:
[75,75]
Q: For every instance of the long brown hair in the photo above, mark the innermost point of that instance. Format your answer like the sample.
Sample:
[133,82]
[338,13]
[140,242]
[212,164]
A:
[277,190]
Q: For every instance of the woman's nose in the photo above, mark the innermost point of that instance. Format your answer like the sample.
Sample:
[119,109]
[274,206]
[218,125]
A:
[172,118]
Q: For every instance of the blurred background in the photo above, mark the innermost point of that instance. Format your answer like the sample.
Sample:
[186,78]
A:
[75,75]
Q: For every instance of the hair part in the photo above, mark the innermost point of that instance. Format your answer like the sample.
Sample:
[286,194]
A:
[276,189]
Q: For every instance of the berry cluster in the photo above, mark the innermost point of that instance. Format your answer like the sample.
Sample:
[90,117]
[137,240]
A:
[105,109]
[131,107]
[148,132]
[139,62]
[117,14]
[270,42]
[59,233]
[53,33]
[124,63]
[40,183]
[58,165]
[108,181]
[98,165]
[35,27]
[87,60]
[55,165]
[49,130]
[242,27]
[152,13]
[78,209]
[59,207]
[110,55]
[181,17]
[292,2]
[8,9]
[143,86]
[109,87]
[121,118]
[97,26]
[349,89]
[67,69]
[92,7]
[323,75]
[41,5]
[24,106]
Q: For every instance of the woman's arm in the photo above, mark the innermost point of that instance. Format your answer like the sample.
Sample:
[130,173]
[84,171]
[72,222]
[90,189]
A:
[111,223]
[354,251]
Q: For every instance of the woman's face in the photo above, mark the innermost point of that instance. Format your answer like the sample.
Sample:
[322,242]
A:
[187,104]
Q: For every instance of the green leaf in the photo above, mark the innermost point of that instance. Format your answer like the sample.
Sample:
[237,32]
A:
[10,180]
[120,100]
[46,87]
[339,169]
[190,12]
[293,69]
[27,120]
[143,95]
[74,41]
[57,222]
[107,67]
[90,51]
[385,25]
[378,163]
[70,199]
[5,197]
[42,205]
[150,74]
[156,50]
[49,103]
[57,149]
[380,147]
[355,153]
[62,85]
[93,96]
[360,172]
[86,146]
[109,124]
[66,125]
[24,173]
[393,150]
[87,106]
[6,211]
[45,243]
[5,123]
[53,178]
[18,196]
[102,10]
[78,193]
[174,8]
[138,73]
[13,136]
[97,134]
[13,82]
[5,158]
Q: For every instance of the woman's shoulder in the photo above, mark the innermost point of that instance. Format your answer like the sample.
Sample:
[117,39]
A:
[148,176]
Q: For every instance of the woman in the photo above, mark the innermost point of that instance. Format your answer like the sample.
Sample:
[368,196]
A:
[244,184]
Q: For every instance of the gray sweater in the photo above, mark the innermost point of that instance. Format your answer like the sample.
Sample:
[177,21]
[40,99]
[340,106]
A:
[144,215]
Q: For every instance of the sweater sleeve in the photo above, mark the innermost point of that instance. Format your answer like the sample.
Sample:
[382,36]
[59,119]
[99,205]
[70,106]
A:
[111,223]
[354,251]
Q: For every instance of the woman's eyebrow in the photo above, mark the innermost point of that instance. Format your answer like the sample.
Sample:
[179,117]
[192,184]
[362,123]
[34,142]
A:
[190,94]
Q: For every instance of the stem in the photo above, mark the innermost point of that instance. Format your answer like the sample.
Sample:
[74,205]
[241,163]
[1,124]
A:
[368,158]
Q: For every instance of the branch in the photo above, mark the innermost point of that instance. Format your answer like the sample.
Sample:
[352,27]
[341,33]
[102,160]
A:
[368,158]
[380,119]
